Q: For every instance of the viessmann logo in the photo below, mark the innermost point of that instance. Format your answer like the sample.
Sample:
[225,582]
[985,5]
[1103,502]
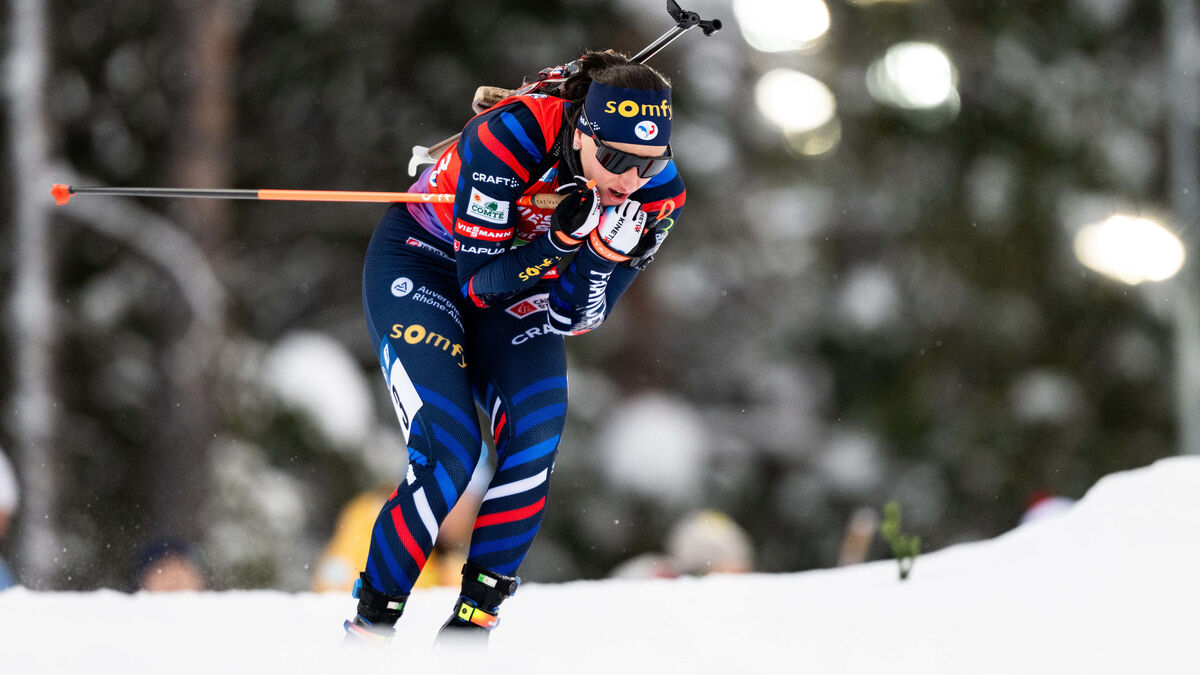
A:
[487,208]
[479,232]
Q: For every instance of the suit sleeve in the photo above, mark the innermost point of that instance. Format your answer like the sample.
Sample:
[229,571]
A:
[590,286]
[500,150]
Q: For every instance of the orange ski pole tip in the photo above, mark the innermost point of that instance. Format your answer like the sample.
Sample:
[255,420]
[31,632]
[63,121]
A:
[61,193]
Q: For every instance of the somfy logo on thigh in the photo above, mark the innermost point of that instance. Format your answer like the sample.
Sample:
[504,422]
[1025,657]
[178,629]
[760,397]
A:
[402,287]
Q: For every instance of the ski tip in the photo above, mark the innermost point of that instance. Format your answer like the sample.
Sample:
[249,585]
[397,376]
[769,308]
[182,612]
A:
[61,193]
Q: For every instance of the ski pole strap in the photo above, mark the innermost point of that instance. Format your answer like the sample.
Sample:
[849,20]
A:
[375,606]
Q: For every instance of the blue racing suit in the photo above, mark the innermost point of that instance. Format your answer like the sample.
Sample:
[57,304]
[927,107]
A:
[456,299]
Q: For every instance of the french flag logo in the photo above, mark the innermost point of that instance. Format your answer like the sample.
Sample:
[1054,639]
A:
[646,130]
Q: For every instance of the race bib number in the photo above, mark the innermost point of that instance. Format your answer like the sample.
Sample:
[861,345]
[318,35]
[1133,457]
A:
[403,392]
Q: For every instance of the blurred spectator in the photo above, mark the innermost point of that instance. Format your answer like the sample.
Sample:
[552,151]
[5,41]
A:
[703,542]
[10,494]
[346,553]
[168,566]
[1045,505]
[707,542]
[645,566]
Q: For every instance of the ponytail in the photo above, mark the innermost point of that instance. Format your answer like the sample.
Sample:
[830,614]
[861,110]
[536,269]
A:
[611,68]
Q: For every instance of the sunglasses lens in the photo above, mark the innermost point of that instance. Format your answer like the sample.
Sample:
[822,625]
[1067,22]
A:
[655,167]
[619,162]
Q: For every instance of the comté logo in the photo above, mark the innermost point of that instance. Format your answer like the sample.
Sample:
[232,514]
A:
[478,232]
[487,208]
[530,305]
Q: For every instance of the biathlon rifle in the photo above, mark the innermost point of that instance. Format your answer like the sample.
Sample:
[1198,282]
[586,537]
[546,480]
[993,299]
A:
[548,81]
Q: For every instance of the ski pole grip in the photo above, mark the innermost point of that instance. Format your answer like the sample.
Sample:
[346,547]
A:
[546,200]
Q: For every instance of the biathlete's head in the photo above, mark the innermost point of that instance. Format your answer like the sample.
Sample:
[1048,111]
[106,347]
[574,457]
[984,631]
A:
[622,123]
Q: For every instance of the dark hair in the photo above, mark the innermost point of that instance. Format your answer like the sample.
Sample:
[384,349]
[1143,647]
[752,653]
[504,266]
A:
[612,68]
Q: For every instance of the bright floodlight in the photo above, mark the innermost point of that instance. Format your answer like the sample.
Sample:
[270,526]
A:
[781,25]
[1132,250]
[914,75]
[794,101]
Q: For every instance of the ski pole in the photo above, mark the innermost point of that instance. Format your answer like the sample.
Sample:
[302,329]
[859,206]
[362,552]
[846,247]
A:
[63,193]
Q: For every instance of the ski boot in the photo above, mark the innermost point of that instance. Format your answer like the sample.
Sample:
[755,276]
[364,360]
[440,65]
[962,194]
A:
[475,612]
[375,622]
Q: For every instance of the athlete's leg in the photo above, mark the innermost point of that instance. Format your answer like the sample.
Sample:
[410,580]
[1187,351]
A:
[520,380]
[416,328]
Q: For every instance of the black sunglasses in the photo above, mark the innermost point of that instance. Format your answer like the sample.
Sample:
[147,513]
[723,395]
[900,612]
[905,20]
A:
[618,161]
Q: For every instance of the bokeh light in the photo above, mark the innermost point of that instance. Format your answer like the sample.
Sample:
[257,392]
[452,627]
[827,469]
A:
[782,25]
[793,101]
[914,76]
[1129,249]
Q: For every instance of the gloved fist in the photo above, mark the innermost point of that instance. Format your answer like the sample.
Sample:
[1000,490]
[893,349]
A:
[619,231]
[576,215]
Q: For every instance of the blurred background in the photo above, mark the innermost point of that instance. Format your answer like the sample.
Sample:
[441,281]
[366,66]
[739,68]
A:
[933,253]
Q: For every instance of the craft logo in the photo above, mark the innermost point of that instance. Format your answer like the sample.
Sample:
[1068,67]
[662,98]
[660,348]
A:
[402,287]
[633,109]
[530,305]
[484,207]
[479,232]
[646,130]
[481,177]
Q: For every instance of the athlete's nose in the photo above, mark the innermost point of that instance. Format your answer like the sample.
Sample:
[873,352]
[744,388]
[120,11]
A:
[628,181]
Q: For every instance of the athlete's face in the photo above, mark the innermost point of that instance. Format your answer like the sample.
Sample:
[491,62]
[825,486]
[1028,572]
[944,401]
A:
[614,188]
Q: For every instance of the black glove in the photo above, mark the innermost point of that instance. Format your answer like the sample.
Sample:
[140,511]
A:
[576,215]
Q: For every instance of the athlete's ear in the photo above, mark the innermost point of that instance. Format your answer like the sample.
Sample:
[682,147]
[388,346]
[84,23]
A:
[576,139]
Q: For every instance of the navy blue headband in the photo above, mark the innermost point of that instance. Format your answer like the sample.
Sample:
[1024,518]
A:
[617,115]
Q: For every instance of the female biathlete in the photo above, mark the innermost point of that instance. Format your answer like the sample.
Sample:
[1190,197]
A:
[468,304]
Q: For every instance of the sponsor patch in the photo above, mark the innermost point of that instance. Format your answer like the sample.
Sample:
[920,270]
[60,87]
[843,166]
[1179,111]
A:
[530,305]
[484,250]
[487,208]
[415,334]
[479,232]
[646,130]
[531,333]
[402,287]
[413,241]
[481,177]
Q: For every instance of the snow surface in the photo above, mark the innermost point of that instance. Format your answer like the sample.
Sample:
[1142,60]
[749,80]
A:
[1107,587]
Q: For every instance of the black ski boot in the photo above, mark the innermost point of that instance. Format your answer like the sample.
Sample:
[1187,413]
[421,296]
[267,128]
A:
[375,622]
[475,612]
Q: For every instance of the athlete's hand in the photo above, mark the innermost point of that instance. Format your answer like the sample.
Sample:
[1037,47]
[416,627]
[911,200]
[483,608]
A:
[619,231]
[576,216]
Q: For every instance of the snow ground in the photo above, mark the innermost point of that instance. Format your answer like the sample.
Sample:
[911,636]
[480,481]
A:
[1108,587]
